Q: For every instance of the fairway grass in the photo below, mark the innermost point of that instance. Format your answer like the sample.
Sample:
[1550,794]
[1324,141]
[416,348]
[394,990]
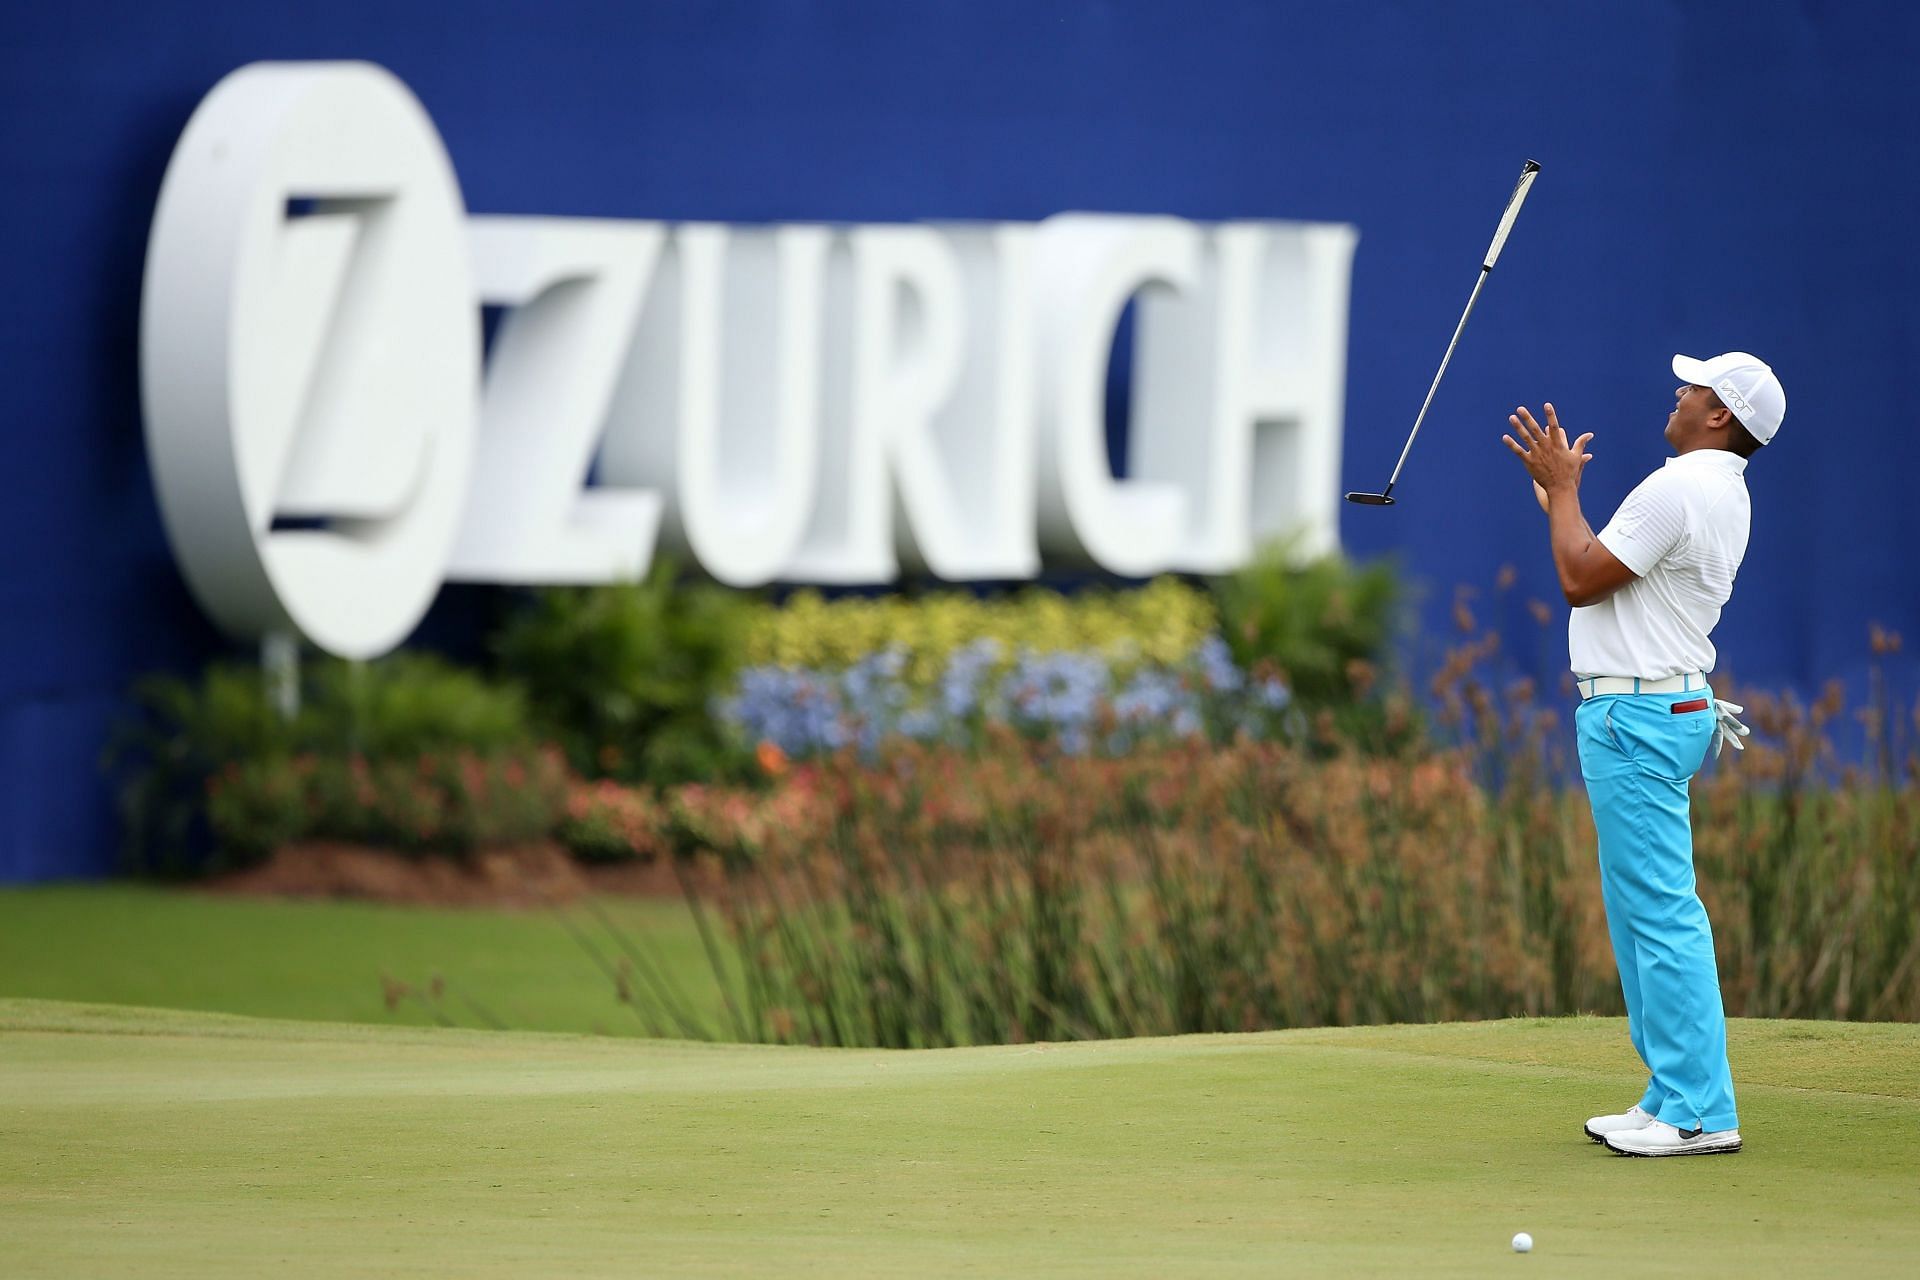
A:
[153,1143]
[181,949]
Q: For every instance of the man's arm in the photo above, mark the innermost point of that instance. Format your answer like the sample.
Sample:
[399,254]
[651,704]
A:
[1589,573]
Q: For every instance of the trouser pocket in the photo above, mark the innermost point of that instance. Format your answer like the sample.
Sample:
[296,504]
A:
[1664,736]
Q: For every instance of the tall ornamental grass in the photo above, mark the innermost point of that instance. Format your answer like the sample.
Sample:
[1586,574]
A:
[945,898]
[940,896]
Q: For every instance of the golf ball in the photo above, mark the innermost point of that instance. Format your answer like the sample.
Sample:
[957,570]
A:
[1522,1243]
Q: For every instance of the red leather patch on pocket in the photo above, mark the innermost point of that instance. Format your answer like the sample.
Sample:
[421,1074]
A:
[1692,704]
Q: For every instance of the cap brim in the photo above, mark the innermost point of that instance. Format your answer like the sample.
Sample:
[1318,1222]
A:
[1692,372]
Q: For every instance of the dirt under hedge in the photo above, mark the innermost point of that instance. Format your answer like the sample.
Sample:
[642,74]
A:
[520,876]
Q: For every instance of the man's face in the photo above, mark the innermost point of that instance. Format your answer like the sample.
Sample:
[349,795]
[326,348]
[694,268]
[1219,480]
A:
[1692,407]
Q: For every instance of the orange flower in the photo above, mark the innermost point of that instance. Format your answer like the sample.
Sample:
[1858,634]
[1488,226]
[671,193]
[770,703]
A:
[771,758]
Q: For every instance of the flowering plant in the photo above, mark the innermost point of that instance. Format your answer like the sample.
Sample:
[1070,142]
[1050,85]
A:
[1077,699]
[452,802]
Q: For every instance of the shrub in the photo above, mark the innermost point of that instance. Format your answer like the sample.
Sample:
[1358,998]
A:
[1327,625]
[1328,629]
[453,804]
[623,676]
[256,806]
[1161,623]
[607,822]
[411,704]
[740,824]
[212,775]
[179,734]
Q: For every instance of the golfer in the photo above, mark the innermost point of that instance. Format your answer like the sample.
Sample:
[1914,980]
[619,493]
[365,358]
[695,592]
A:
[1646,592]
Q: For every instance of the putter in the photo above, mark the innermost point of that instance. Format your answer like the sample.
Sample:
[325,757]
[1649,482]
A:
[1385,497]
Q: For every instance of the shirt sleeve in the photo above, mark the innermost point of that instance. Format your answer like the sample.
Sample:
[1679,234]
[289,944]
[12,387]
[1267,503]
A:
[1648,525]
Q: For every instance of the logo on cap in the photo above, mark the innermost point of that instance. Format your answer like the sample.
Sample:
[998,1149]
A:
[1733,399]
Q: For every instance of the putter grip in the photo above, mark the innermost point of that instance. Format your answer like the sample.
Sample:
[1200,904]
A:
[1518,198]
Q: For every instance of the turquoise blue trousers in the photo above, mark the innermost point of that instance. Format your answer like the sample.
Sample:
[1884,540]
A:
[1637,753]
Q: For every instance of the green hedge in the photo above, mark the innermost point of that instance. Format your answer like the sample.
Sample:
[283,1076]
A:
[623,677]
[212,775]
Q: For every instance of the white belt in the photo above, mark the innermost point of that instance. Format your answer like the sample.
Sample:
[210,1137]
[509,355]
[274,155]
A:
[1595,686]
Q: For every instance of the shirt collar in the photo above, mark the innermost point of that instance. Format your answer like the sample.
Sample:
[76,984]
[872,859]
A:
[1719,459]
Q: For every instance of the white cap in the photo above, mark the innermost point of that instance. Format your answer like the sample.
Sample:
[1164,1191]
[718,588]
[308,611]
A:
[1745,384]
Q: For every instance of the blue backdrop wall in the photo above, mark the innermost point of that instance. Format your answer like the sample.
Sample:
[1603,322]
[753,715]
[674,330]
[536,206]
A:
[1717,175]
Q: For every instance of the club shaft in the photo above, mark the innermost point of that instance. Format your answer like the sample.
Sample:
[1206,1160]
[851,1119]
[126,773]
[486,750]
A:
[1428,403]
[1528,173]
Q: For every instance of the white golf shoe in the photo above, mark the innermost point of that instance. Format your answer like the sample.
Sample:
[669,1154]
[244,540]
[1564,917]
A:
[1662,1139]
[1633,1118]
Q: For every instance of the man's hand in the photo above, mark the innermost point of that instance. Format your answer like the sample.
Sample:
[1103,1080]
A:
[1589,573]
[1554,464]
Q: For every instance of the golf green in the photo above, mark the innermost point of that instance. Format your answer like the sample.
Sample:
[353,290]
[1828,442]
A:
[154,1143]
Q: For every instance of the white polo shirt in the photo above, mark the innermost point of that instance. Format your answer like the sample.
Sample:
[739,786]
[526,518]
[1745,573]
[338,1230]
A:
[1684,532]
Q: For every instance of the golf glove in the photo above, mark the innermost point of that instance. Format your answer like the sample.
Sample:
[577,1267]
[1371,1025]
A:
[1728,730]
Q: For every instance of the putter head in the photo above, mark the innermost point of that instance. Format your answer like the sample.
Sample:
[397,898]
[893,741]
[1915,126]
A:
[1371,499]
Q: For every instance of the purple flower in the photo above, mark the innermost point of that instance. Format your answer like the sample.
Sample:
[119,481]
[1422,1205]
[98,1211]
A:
[1150,697]
[1062,695]
[1215,661]
[1272,694]
[1055,690]
[967,668]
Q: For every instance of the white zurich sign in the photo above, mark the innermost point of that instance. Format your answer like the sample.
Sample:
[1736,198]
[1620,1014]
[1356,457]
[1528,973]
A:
[796,403]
